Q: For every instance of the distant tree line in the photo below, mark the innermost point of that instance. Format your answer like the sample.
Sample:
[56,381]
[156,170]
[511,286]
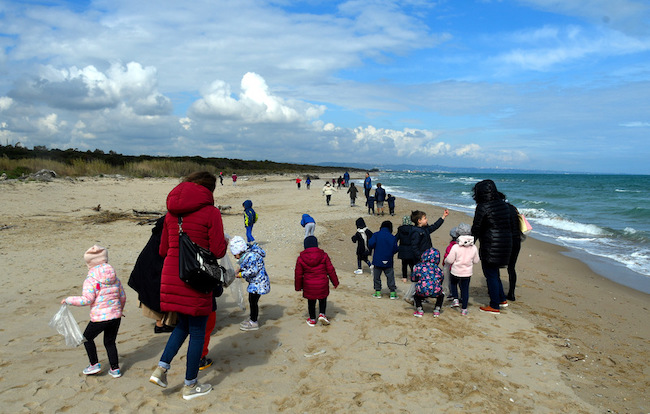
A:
[17,160]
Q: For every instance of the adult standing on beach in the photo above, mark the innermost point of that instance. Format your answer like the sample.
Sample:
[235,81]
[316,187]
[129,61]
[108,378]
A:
[194,202]
[492,227]
[346,179]
[516,247]
[380,197]
[367,185]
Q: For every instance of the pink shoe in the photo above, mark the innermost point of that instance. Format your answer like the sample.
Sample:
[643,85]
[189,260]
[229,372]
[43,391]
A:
[418,313]
[311,322]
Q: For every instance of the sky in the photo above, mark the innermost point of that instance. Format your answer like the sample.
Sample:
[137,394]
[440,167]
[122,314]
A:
[561,85]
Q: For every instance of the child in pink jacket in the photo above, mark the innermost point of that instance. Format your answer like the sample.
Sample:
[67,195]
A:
[462,258]
[103,291]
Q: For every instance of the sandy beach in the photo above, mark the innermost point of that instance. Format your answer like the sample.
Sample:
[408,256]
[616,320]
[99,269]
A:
[573,341]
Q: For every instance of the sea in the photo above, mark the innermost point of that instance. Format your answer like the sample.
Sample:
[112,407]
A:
[602,220]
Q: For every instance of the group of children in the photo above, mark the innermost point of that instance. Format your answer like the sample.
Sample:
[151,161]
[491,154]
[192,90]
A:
[103,291]
[413,245]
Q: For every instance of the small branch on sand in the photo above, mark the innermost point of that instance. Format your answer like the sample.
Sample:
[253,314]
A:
[6,227]
[394,343]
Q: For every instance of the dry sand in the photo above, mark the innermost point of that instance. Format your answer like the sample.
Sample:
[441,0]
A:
[572,342]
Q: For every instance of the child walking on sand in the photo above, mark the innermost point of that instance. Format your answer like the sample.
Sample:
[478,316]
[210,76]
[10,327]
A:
[462,258]
[251,268]
[384,245]
[361,238]
[103,291]
[428,277]
[313,273]
[250,218]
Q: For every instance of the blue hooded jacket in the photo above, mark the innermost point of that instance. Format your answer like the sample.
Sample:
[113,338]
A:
[250,216]
[306,218]
[385,246]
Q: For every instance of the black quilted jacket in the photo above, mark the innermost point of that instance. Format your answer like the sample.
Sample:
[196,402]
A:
[492,225]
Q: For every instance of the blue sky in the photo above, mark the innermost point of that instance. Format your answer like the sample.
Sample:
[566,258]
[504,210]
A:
[535,84]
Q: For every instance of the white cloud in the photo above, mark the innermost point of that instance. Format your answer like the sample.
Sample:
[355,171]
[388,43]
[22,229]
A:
[256,103]
[5,103]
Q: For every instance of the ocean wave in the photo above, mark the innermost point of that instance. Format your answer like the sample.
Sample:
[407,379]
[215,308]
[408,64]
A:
[572,226]
[621,190]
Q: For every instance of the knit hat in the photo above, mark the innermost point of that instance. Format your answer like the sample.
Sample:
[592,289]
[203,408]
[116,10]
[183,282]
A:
[464,229]
[311,241]
[95,256]
[454,233]
[237,245]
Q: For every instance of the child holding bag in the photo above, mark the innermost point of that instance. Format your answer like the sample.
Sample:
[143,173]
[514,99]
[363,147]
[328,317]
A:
[103,291]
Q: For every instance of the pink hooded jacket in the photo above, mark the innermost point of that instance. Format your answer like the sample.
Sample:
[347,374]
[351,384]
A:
[462,257]
[103,291]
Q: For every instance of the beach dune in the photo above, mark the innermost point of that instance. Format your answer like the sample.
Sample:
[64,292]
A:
[572,342]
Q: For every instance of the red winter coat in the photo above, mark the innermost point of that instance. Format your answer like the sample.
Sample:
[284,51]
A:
[314,270]
[202,222]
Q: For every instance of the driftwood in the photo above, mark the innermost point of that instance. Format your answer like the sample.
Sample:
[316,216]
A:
[6,227]
[147,213]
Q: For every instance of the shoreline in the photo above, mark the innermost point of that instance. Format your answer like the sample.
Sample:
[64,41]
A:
[573,341]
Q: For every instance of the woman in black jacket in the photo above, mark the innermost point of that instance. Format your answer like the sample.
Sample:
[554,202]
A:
[492,227]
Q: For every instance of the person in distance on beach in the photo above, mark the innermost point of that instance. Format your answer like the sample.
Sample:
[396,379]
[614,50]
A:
[367,185]
[390,199]
[250,218]
[353,194]
[328,190]
[517,238]
[380,197]
[492,226]
[309,224]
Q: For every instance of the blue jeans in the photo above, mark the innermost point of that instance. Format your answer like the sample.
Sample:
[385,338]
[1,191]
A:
[194,326]
[495,288]
[249,234]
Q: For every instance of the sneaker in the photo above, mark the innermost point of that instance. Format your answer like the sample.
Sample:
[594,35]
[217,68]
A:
[489,309]
[250,326]
[115,373]
[92,369]
[393,295]
[455,303]
[323,319]
[205,363]
[196,390]
[464,312]
[504,304]
[377,294]
[159,377]
[358,271]
[311,322]
[436,312]
[418,313]
[245,322]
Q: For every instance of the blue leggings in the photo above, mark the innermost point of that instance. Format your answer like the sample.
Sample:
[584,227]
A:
[463,282]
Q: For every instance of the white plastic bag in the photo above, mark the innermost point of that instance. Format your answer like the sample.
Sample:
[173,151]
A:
[64,323]
[237,293]
[229,275]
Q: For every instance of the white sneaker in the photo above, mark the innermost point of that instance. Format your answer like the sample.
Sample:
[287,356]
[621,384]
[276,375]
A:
[358,272]
[251,326]
[159,377]
[195,390]
[455,303]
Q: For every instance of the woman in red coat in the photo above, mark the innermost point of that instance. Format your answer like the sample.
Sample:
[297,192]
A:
[314,271]
[193,201]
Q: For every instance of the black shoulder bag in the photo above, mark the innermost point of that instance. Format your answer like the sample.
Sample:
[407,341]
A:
[197,266]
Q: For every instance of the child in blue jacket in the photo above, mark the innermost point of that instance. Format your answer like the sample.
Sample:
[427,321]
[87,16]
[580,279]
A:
[250,218]
[384,246]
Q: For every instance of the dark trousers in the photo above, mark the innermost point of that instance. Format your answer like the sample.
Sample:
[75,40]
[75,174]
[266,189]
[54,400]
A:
[494,285]
[253,299]
[110,329]
[194,327]
[359,262]
[418,300]
[463,283]
[328,197]
[311,306]
[407,263]
[390,278]
[512,273]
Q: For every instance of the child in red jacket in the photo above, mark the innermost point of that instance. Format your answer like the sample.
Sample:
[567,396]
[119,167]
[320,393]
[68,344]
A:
[314,271]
